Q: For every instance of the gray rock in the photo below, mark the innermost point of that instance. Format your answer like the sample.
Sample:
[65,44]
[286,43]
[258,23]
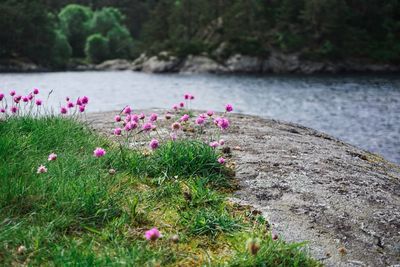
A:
[282,63]
[201,64]
[161,63]
[245,64]
[115,64]
[14,65]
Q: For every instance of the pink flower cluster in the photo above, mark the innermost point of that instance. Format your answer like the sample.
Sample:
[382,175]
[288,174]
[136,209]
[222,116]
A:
[127,121]
[181,119]
[26,103]
[18,101]
[79,105]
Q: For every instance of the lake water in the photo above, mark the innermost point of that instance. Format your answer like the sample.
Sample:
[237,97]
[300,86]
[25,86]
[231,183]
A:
[362,110]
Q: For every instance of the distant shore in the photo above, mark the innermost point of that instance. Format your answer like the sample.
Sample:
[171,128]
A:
[166,63]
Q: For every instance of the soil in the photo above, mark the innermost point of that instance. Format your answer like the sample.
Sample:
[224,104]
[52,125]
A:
[343,201]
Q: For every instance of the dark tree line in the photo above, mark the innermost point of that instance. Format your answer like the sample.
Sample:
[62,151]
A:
[317,29]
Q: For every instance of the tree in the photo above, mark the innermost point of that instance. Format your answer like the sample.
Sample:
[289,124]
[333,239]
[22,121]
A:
[97,48]
[26,30]
[106,19]
[120,42]
[75,24]
[62,51]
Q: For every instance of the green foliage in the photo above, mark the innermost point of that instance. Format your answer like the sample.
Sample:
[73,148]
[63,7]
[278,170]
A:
[106,19]
[120,42]
[26,30]
[264,256]
[97,48]
[209,222]
[316,29]
[62,51]
[186,158]
[75,24]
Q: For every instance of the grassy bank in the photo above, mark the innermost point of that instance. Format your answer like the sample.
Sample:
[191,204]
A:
[81,213]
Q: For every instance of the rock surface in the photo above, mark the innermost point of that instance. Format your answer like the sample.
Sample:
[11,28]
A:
[115,64]
[312,187]
[14,65]
[201,64]
[277,62]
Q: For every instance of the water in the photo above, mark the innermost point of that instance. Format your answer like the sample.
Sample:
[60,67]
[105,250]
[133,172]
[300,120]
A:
[361,110]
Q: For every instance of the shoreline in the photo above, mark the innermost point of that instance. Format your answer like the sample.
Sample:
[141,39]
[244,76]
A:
[237,64]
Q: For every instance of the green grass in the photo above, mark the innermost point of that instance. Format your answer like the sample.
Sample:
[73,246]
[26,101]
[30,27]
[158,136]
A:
[77,214]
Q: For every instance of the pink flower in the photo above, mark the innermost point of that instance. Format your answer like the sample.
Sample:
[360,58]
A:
[223,123]
[85,100]
[117,131]
[186,96]
[42,169]
[52,157]
[135,118]
[176,126]
[1,96]
[181,104]
[12,93]
[70,105]
[184,117]
[191,97]
[152,234]
[221,160]
[130,126]
[30,96]
[117,118]
[200,121]
[175,107]
[63,110]
[142,116]
[17,98]
[99,152]
[35,91]
[38,102]
[153,117]
[147,127]
[154,144]
[25,99]
[221,142]
[214,144]
[229,108]
[2,110]
[14,109]
[127,110]
[173,136]
[79,101]
[82,108]
[67,99]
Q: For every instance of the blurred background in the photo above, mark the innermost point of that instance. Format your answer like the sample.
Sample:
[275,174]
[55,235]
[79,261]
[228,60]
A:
[332,65]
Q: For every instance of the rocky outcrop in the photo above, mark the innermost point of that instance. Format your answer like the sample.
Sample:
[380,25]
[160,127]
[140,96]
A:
[201,64]
[244,64]
[156,64]
[15,65]
[343,201]
[115,64]
[164,62]
[276,62]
